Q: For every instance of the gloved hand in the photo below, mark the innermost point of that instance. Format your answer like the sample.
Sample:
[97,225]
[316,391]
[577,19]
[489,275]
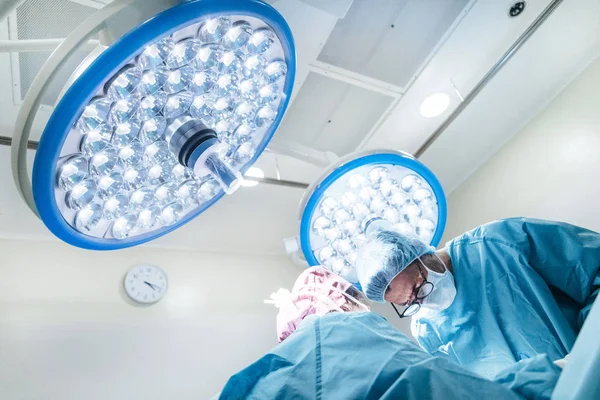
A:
[562,362]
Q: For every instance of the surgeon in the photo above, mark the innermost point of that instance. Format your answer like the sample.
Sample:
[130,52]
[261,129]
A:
[504,292]
[334,348]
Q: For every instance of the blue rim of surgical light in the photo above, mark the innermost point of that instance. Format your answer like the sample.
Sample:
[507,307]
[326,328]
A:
[107,65]
[372,159]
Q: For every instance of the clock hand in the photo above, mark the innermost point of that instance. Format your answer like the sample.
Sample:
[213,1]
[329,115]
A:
[149,284]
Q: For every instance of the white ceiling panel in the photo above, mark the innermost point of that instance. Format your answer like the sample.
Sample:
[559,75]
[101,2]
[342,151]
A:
[331,115]
[46,19]
[389,40]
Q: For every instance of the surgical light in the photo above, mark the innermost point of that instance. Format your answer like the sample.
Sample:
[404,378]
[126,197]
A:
[365,193]
[162,123]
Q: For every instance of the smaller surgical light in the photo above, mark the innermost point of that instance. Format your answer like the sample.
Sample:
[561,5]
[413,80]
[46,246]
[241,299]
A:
[362,195]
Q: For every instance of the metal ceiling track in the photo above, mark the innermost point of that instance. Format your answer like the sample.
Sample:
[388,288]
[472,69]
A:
[490,75]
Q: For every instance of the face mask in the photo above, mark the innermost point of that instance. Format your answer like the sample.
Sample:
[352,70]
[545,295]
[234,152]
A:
[444,289]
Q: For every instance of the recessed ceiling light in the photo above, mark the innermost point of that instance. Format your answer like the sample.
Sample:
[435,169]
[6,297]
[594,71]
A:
[253,172]
[435,105]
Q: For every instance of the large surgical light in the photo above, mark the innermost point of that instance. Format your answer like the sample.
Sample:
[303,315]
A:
[163,123]
[365,193]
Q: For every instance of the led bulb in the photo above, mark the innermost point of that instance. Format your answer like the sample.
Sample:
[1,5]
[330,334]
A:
[123,226]
[226,86]
[360,240]
[275,71]
[341,267]
[423,197]
[208,57]
[188,192]
[404,228]
[425,229]
[171,214]
[180,173]
[177,104]
[237,36]
[130,155]
[202,107]
[378,204]
[265,115]
[230,62]
[149,218]
[104,162]
[115,207]
[212,30]
[360,211]
[88,217]
[261,40]
[141,199]
[203,81]
[183,53]
[348,200]
[341,216]
[344,246]
[254,66]
[154,55]
[125,133]
[411,183]
[124,85]
[328,206]
[356,182]
[152,130]
[244,153]
[332,234]
[388,187]
[134,177]
[412,213]
[249,89]
[268,94]
[392,215]
[109,185]
[94,114]
[81,195]
[123,110]
[378,175]
[159,173]
[208,190]
[153,80]
[179,79]
[351,227]
[320,225]
[399,199]
[157,153]
[166,194]
[72,172]
[326,254]
[96,140]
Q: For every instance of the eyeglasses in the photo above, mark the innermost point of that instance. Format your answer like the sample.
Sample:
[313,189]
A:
[421,291]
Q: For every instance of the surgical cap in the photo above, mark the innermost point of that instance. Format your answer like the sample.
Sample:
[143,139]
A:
[383,257]
[317,291]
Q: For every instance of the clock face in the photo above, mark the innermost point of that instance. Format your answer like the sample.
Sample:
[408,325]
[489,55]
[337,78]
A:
[145,284]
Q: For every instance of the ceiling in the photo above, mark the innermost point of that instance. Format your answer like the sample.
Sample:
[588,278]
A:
[364,67]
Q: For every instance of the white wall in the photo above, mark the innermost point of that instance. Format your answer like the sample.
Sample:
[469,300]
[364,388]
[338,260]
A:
[66,331]
[550,170]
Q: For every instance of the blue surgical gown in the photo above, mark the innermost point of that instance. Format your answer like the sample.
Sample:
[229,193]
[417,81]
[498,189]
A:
[362,356]
[524,287]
